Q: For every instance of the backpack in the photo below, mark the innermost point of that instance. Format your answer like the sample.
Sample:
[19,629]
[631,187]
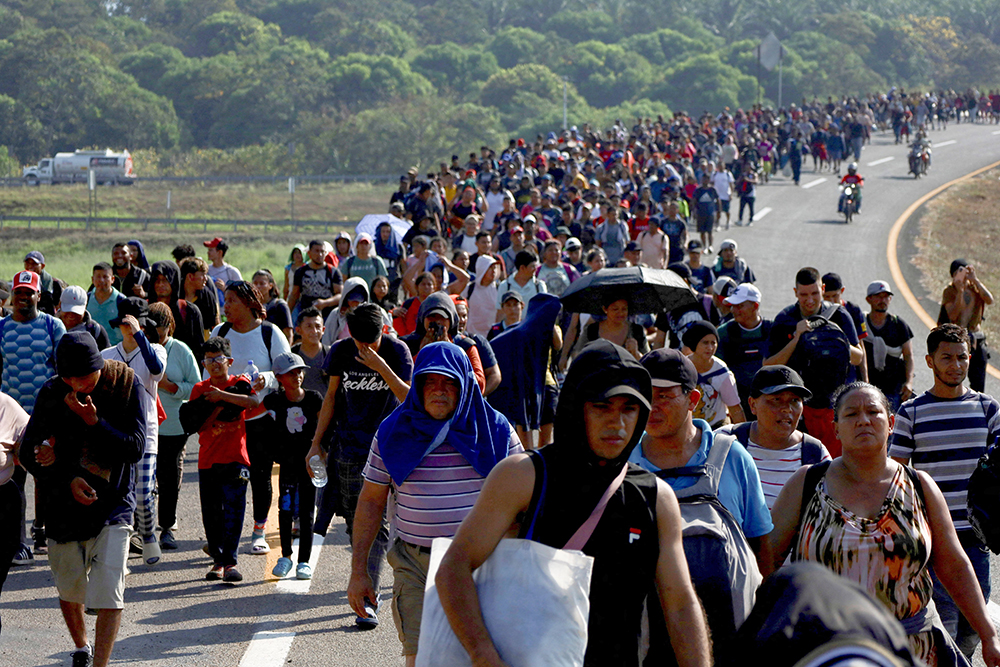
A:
[983,500]
[812,448]
[825,353]
[722,565]
[266,332]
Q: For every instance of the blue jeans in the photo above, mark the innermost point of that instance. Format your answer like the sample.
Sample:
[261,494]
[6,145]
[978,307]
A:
[223,490]
[956,624]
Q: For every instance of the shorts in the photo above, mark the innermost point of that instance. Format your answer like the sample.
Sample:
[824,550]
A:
[724,205]
[549,399]
[410,565]
[706,223]
[92,572]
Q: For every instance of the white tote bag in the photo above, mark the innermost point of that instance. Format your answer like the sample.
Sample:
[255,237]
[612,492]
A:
[535,603]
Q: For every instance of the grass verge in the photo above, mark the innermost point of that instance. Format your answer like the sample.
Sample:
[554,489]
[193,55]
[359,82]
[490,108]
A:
[963,221]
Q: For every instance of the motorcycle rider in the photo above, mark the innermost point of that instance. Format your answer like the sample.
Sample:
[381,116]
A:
[851,178]
[921,147]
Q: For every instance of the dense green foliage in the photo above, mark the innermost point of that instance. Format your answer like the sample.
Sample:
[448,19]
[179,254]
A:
[331,86]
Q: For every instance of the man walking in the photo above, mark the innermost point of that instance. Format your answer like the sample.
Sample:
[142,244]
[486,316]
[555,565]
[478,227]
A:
[743,340]
[888,351]
[943,432]
[220,272]
[82,443]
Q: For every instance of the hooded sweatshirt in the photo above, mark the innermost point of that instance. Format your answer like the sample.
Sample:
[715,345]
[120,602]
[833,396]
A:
[189,327]
[625,543]
[442,301]
[482,300]
[336,323]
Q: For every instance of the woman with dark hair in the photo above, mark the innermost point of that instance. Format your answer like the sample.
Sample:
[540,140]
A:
[278,313]
[881,524]
[296,259]
[616,328]
[252,338]
[189,326]
[382,294]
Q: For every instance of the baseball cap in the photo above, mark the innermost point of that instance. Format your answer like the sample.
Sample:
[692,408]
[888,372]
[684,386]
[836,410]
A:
[694,244]
[214,243]
[632,246]
[511,294]
[743,293]
[35,255]
[727,244]
[681,269]
[364,236]
[723,286]
[562,230]
[573,243]
[529,217]
[27,279]
[774,379]
[286,362]
[877,287]
[626,387]
[832,282]
[516,229]
[136,307]
[669,368]
[73,300]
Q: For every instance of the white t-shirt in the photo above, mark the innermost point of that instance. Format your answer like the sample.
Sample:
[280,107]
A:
[718,390]
[653,246]
[723,183]
[225,273]
[495,202]
[250,345]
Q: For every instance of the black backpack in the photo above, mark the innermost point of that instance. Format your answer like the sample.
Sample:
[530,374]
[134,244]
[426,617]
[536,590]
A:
[824,353]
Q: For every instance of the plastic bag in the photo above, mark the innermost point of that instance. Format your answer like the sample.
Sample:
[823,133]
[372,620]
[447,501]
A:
[535,602]
[786,171]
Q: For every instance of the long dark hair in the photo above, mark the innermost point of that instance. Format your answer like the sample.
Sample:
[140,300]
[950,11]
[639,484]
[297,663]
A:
[249,295]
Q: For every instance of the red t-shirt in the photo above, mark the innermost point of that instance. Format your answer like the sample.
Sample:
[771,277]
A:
[221,441]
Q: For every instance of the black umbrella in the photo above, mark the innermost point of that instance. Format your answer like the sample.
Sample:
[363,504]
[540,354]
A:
[647,291]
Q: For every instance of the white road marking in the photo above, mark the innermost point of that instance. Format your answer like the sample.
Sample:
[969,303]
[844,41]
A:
[882,161]
[944,143]
[994,610]
[268,648]
[996,131]
[761,213]
[289,584]
[811,184]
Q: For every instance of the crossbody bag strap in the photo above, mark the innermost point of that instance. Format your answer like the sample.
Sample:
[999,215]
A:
[583,533]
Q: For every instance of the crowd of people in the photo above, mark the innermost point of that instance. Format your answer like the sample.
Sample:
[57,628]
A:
[430,365]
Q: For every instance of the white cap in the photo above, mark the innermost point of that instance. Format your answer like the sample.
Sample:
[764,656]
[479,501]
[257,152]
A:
[73,300]
[877,287]
[727,244]
[743,293]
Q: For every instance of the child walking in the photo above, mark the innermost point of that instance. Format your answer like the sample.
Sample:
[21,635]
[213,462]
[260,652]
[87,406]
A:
[215,411]
[295,412]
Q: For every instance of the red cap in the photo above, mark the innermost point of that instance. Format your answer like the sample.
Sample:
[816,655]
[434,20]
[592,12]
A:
[28,279]
[214,242]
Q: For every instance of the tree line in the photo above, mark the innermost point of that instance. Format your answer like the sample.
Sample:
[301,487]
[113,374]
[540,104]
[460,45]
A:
[331,86]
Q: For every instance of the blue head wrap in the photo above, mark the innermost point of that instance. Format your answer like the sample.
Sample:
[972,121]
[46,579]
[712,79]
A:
[475,430]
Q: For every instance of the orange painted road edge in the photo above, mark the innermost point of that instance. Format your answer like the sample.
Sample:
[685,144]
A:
[893,257]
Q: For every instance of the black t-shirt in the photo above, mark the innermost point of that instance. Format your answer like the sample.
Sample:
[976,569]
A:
[894,333]
[279,315]
[315,284]
[294,424]
[783,330]
[744,351]
[364,399]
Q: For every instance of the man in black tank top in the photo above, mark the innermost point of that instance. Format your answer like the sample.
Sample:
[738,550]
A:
[602,411]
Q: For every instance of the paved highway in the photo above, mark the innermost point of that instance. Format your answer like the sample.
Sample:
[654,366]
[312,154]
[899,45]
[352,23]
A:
[173,617]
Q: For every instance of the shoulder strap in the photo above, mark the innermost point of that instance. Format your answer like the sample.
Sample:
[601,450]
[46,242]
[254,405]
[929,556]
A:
[813,477]
[828,312]
[709,473]
[812,450]
[539,462]
[224,329]
[917,484]
[347,266]
[583,533]
[267,332]
[742,432]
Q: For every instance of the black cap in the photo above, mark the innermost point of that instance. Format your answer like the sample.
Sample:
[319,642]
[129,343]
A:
[135,306]
[77,355]
[669,368]
[957,264]
[831,282]
[774,379]
[694,244]
[511,294]
[632,246]
[681,269]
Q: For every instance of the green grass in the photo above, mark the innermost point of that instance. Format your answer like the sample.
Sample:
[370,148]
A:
[335,202]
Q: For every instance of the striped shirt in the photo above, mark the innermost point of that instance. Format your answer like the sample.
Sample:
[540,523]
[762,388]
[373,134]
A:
[945,438]
[437,495]
[775,466]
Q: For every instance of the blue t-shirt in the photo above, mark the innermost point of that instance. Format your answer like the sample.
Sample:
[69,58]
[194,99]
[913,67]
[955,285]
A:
[28,350]
[739,488]
[103,313]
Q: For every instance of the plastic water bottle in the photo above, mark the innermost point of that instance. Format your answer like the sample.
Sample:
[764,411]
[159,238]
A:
[318,470]
[252,371]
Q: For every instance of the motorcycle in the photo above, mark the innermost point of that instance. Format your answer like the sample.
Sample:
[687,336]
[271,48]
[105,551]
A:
[849,204]
[920,160]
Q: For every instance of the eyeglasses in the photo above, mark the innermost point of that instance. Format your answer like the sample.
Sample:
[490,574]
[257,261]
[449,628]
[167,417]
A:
[215,361]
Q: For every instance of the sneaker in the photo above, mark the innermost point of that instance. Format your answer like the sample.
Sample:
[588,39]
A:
[304,571]
[135,544]
[150,550]
[23,556]
[369,623]
[215,574]
[41,545]
[258,544]
[232,575]
[282,567]
[167,541]
[82,658]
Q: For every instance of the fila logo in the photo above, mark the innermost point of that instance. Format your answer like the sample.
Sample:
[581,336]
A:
[633,534]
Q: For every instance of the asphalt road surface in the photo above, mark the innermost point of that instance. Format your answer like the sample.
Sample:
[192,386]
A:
[173,617]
